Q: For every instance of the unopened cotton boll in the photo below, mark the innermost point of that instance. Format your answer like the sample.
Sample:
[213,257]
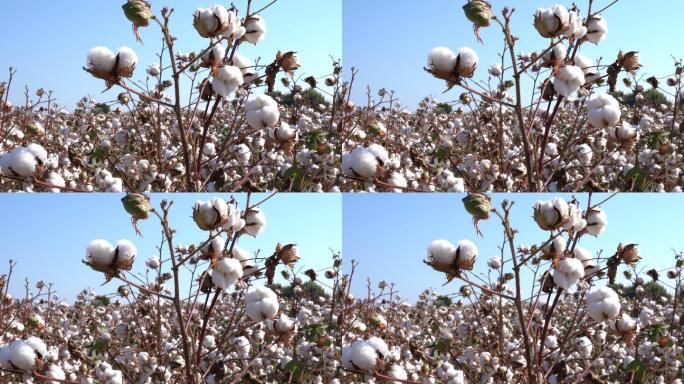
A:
[226,80]
[261,304]
[602,303]
[255,29]
[568,81]
[226,273]
[126,60]
[262,112]
[255,222]
[569,273]
[603,111]
[597,29]
[101,61]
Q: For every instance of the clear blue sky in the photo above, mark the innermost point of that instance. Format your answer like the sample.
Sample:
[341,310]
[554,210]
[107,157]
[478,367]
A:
[47,41]
[388,40]
[47,234]
[389,234]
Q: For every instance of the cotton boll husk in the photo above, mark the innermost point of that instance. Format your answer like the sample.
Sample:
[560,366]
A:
[442,252]
[101,60]
[100,254]
[126,61]
[442,60]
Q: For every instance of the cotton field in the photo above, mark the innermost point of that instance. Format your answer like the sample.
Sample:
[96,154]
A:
[549,120]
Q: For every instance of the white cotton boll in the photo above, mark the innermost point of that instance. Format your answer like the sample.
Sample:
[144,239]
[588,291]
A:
[379,152]
[226,273]
[255,29]
[551,342]
[597,29]
[262,112]
[495,70]
[623,132]
[245,65]
[624,324]
[550,22]
[154,70]
[467,61]
[584,346]
[125,253]
[226,80]
[23,162]
[585,63]
[584,154]
[397,372]
[242,345]
[360,162]
[555,55]
[363,355]
[38,345]
[569,273]
[39,152]
[261,304]
[494,262]
[442,60]
[55,372]
[101,60]
[22,355]
[568,81]
[575,28]
[255,222]
[214,57]
[603,111]
[466,253]
[555,247]
[398,180]
[442,252]
[153,262]
[126,62]
[55,179]
[379,345]
[585,256]
[5,356]
[284,133]
[206,22]
[602,303]
[597,220]
[100,253]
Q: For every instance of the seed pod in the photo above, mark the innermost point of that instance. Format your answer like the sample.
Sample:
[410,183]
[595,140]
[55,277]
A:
[479,12]
[137,205]
[139,12]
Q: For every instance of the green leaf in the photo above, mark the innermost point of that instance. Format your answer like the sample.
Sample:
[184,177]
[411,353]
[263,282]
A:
[101,301]
[101,108]
[657,332]
[315,331]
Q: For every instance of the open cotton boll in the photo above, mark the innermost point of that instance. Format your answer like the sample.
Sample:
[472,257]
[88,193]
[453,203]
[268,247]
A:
[261,304]
[242,345]
[153,262]
[575,28]
[585,256]
[623,132]
[211,214]
[210,22]
[38,345]
[494,262]
[495,70]
[442,252]
[568,81]
[125,254]
[555,247]
[226,273]
[398,180]
[255,222]
[226,80]
[380,346]
[126,62]
[360,162]
[255,29]
[101,60]
[597,29]
[262,112]
[551,214]
[245,259]
[246,66]
[379,152]
[23,162]
[584,346]
[597,220]
[569,273]
[466,252]
[555,55]
[467,62]
[396,371]
[213,247]
[39,152]
[283,133]
[22,355]
[362,355]
[154,70]
[603,111]
[442,60]
[584,154]
[602,303]
[100,254]
[214,57]
[550,22]
[587,66]
[57,180]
